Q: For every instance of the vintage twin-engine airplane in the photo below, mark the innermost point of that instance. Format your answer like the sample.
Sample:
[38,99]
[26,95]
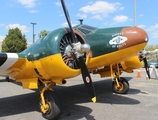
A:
[68,52]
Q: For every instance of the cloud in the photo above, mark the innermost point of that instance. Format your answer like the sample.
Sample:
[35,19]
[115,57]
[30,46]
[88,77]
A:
[141,26]
[141,15]
[27,3]
[65,24]
[120,18]
[153,28]
[2,38]
[98,17]
[57,3]
[2,24]
[23,28]
[82,16]
[33,11]
[155,34]
[101,8]
[106,23]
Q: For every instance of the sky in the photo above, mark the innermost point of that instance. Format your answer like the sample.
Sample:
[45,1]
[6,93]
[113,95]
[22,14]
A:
[48,15]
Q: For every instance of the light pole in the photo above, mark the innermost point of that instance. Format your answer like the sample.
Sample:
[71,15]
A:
[33,31]
[134,12]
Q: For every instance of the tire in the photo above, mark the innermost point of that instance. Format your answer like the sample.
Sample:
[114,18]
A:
[124,86]
[122,78]
[55,107]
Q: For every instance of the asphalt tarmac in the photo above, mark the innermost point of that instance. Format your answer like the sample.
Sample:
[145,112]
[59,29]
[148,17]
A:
[140,103]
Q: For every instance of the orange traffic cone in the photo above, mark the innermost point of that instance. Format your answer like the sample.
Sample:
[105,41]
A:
[138,74]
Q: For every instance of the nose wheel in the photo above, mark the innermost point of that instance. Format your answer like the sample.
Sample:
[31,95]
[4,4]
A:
[120,85]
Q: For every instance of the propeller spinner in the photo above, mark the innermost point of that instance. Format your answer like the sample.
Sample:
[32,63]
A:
[79,50]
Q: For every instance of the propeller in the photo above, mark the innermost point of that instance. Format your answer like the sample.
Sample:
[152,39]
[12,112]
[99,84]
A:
[79,50]
[146,66]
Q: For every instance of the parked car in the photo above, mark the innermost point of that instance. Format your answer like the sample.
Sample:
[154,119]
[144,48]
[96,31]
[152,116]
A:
[153,62]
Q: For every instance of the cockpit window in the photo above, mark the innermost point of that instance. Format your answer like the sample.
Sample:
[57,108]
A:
[85,29]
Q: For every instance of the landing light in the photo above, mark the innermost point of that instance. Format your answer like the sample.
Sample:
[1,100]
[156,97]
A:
[146,39]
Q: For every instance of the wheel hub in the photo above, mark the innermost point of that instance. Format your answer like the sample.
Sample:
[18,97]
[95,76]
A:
[44,108]
[120,87]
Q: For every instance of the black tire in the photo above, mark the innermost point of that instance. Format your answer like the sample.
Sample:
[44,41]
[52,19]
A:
[124,86]
[7,78]
[55,107]
[124,80]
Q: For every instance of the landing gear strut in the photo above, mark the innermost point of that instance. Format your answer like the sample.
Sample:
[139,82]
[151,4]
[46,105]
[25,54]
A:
[50,104]
[120,85]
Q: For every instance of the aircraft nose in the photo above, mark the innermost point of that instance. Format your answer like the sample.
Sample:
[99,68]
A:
[134,36]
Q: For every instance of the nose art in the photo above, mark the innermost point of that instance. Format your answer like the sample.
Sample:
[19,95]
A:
[134,36]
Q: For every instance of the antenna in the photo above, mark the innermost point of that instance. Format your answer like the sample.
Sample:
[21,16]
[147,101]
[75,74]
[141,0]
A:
[81,21]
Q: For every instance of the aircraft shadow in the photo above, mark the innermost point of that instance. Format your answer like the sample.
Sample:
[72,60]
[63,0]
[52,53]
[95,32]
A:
[19,104]
[71,98]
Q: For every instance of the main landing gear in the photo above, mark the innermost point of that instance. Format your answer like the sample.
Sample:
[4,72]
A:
[50,104]
[120,85]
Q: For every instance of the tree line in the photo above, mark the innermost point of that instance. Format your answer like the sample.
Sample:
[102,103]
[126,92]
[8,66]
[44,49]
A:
[151,48]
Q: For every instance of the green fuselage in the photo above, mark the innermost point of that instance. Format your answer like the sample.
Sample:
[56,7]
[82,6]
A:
[98,39]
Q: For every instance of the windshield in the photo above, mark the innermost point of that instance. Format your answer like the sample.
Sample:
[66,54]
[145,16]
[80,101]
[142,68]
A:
[85,29]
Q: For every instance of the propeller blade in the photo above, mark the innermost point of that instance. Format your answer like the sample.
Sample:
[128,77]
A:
[85,74]
[68,21]
[146,67]
[87,79]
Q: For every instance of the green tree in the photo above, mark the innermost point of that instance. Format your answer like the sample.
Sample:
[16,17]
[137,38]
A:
[14,41]
[43,33]
[150,47]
